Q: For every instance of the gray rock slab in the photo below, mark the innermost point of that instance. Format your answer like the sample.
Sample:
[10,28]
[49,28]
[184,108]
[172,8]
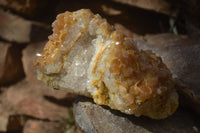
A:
[93,118]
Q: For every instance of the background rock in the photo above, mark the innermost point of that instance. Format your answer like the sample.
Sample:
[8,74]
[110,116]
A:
[4,118]
[100,119]
[29,8]
[161,6]
[36,126]
[23,98]
[30,98]
[11,68]
[16,122]
[14,28]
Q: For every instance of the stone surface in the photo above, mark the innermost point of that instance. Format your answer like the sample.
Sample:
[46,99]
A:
[16,122]
[28,7]
[4,118]
[100,119]
[181,56]
[25,98]
[17,29]
[37,126]
[10,121]
[14,28]
[161,6]
[11,68]
[30,98]
[191,7]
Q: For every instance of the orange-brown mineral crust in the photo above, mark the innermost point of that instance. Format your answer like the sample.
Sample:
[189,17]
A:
[85,55]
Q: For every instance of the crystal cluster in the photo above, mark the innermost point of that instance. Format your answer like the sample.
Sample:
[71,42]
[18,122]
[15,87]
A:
[87,56]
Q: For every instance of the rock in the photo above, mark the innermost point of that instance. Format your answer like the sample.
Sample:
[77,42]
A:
[29,8]
[100,119]
[191,7]
[181,56]
[4,118]
[24,98]
[16,122]
[161,6]
[30,98]
[114,73]
[3,123]
[11,68]
[37,126]
[10,121]
[16,29]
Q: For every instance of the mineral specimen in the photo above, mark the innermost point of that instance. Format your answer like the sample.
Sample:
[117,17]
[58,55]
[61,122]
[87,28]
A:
[87,56]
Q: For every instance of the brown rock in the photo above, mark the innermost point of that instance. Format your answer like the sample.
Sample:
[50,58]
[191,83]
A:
[161,6]
[3,123]
[36,126]
[11,68]
[99,119]
[181,56]
[26,7]
[191,7]
[30,98]
[10,121]
[24,99]
[16,29]
[4,117]
[16,122]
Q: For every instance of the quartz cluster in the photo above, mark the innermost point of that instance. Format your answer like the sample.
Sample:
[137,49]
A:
[87,56]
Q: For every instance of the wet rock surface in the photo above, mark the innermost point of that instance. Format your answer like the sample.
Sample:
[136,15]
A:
[100,119]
